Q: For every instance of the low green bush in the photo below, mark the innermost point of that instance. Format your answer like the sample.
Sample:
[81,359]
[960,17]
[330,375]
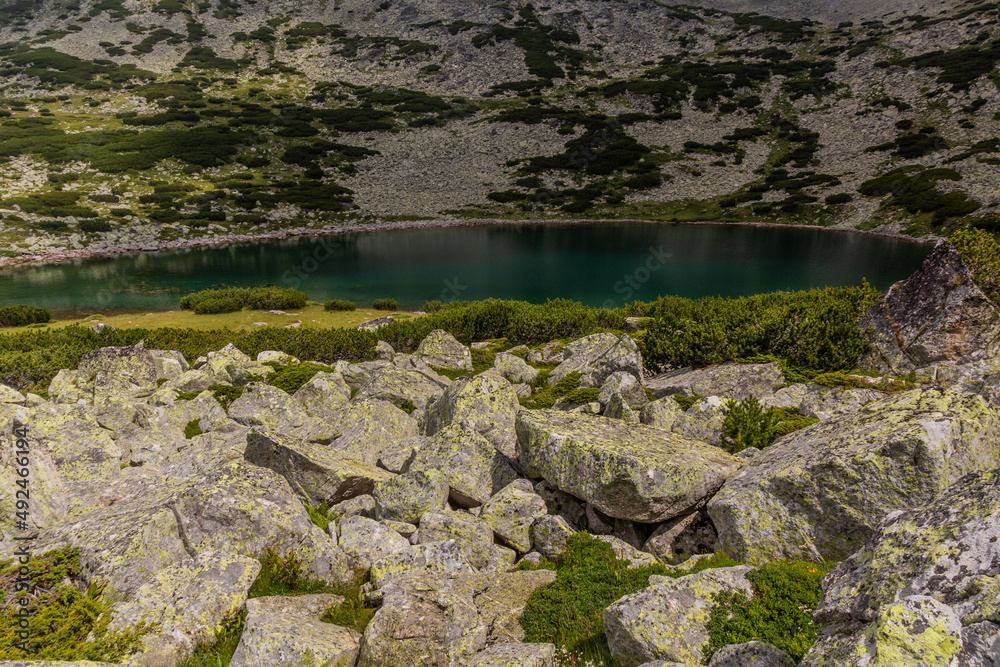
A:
[547,396]
[339,304]
[749,424]
[589,577]
[20,316]
[192,429]
[69,615]
[687,402]
[290,378]
[385,304]
[254,298]
[784,596]
[981,253]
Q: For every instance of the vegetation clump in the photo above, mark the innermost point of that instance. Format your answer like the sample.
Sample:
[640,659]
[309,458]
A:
[385,304]
[20,316]
[981,253]
[290,378]
[339,304]
[232,299]
[784,596]
[749,424]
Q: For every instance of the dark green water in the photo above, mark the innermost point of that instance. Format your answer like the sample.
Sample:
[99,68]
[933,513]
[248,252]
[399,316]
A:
[597,264]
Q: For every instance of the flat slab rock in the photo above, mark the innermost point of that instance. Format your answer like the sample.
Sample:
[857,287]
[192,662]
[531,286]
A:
[627,471]
[732,380]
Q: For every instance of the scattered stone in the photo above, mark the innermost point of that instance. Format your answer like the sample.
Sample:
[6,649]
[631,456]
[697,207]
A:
[367,541]
[440,350]
[486,405]
[514,368]
[473,535]
[378,323]
[270,407]
[598,356]
[473,468]
[731,380]
[406,497]
[751,654]
[324,395]
[512,511]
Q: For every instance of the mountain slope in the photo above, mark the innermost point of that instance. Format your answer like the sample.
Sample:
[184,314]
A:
[136,122]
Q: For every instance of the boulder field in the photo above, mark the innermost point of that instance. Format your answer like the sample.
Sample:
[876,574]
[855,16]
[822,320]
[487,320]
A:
[438,488]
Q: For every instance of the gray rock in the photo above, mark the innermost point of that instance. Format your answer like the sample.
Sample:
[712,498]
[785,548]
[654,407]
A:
[474,536]
[625,551]
[377,323]
[369,427]
[820,492]
[402,453]
[550,353]
[384,351]
[401,385]
[440,350]
[357,506]
[980,645]
[10,395]
[596,357]
[158,445]
[283,630]
[444,556]
[170,364]
[627,386]
[821,402]
[406,497]
[65,387]
[267,406]
[473,468]
[124,371]
[550,536]
[324,395]
[514,368]
[512,511]
[703,421]
[231,366]
[669,620]
[487,405]
[618,408]
[936,315]
[662,413]
[657,475]
[916,630]
[751,654]
[367,541]
[730,380]
[559,502]
[516,655]
[357,374]
[319,474]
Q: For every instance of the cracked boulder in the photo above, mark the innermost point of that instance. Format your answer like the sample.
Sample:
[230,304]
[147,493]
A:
[596,357]
[123,371]
[730,380]
[440,350]
[473,468]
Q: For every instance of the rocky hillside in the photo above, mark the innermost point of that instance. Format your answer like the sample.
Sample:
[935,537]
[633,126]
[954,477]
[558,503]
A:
[562,495]
[138,122]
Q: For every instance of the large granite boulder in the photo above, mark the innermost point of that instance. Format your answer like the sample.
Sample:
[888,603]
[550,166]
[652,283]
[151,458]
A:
[669,619]
[401,385]
[751,654]
[731,380]
[231,366]
[440,350]
[596,357]
[818,493]
[406,497]
[948,549]
[369,427]
[324,395]
[124,371]
[632,472]
[440,620]
[474,469]
[483,404]
[516,655]
[317,473]
[512,511]
[270,407]
[936,315]
[283,631]
[473,535]
[443,556]
[820,401]
[514,368]
[367,541]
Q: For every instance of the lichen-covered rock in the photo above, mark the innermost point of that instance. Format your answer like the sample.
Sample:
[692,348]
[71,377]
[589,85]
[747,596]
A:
[9,395]
[440,350]
[229,365]
[514,368]
[617,408]
[627,386]
[157,445]
[679,539]
[565,505]
[357,506]
[357,374]
[516,655]
[596,357]
[406,497]
[730,380]
[324,395]
[235,507]
[625,551]
[550,536]
[550,353]
[401,385]
[195,379]
[188,601]
[281,631]
[980,645]
[444,619]
[384,351]
[278,357]
[946,549]
[264,405]
[703,421]
[818,493]
[126,371]
[475,470]
[936,315]
[368,427]
[751,654]
[65,387]
[367,541]
[917,630]
[669,620]
[445,556]
[632,472]
[317,473]
[819,401]
[662,413]
[512,511]
[473,535]
[402,453]
[169,364]
[487,405]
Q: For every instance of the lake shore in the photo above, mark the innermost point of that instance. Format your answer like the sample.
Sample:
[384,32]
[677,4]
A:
[71,255]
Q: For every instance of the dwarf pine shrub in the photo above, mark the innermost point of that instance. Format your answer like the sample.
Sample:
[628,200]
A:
[20,316]
[339,304]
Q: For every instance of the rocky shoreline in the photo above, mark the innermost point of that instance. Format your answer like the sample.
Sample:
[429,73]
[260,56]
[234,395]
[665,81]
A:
[70,255]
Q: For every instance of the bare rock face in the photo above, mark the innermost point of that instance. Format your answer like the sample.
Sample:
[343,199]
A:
[937,315]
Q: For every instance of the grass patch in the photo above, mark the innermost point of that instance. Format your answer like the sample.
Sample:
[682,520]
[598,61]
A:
[192,429]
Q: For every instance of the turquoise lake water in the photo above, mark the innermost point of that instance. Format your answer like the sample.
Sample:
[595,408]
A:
[598,264]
